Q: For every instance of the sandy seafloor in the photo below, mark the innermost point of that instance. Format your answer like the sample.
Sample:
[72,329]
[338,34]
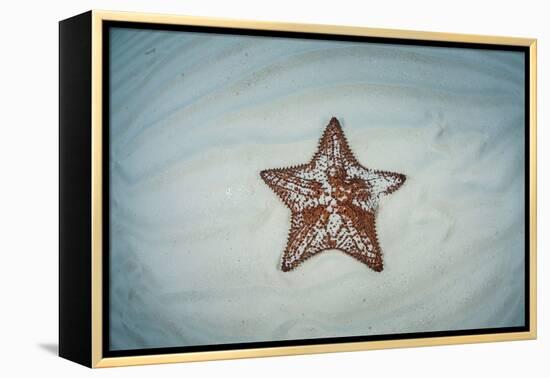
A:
[197,237]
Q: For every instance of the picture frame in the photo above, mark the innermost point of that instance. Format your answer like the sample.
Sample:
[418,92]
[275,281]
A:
[92,118]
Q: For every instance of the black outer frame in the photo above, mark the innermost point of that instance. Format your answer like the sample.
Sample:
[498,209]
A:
[75,189]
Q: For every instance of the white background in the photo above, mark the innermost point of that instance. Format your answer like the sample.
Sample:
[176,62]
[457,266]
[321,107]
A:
[29,186]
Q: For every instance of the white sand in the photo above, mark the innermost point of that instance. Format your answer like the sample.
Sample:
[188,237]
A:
[197,237]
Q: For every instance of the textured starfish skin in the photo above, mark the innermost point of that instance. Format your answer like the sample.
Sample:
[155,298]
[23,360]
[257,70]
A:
[333,200]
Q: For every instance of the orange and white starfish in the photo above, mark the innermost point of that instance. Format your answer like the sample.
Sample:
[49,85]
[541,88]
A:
[333,200]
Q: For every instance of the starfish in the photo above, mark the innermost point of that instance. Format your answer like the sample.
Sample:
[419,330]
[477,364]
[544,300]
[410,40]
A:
[333,201]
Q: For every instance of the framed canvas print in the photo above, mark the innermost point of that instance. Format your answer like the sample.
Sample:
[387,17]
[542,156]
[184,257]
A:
[236,189]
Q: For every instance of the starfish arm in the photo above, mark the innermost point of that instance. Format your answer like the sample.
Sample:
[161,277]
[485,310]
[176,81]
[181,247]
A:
[295,191]
[379,183]
[333,150]
[307,237]
[357,237]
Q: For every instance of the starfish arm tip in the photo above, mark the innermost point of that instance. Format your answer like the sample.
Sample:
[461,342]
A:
[401,178]
[287,266]
[378,268]
[267,176]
